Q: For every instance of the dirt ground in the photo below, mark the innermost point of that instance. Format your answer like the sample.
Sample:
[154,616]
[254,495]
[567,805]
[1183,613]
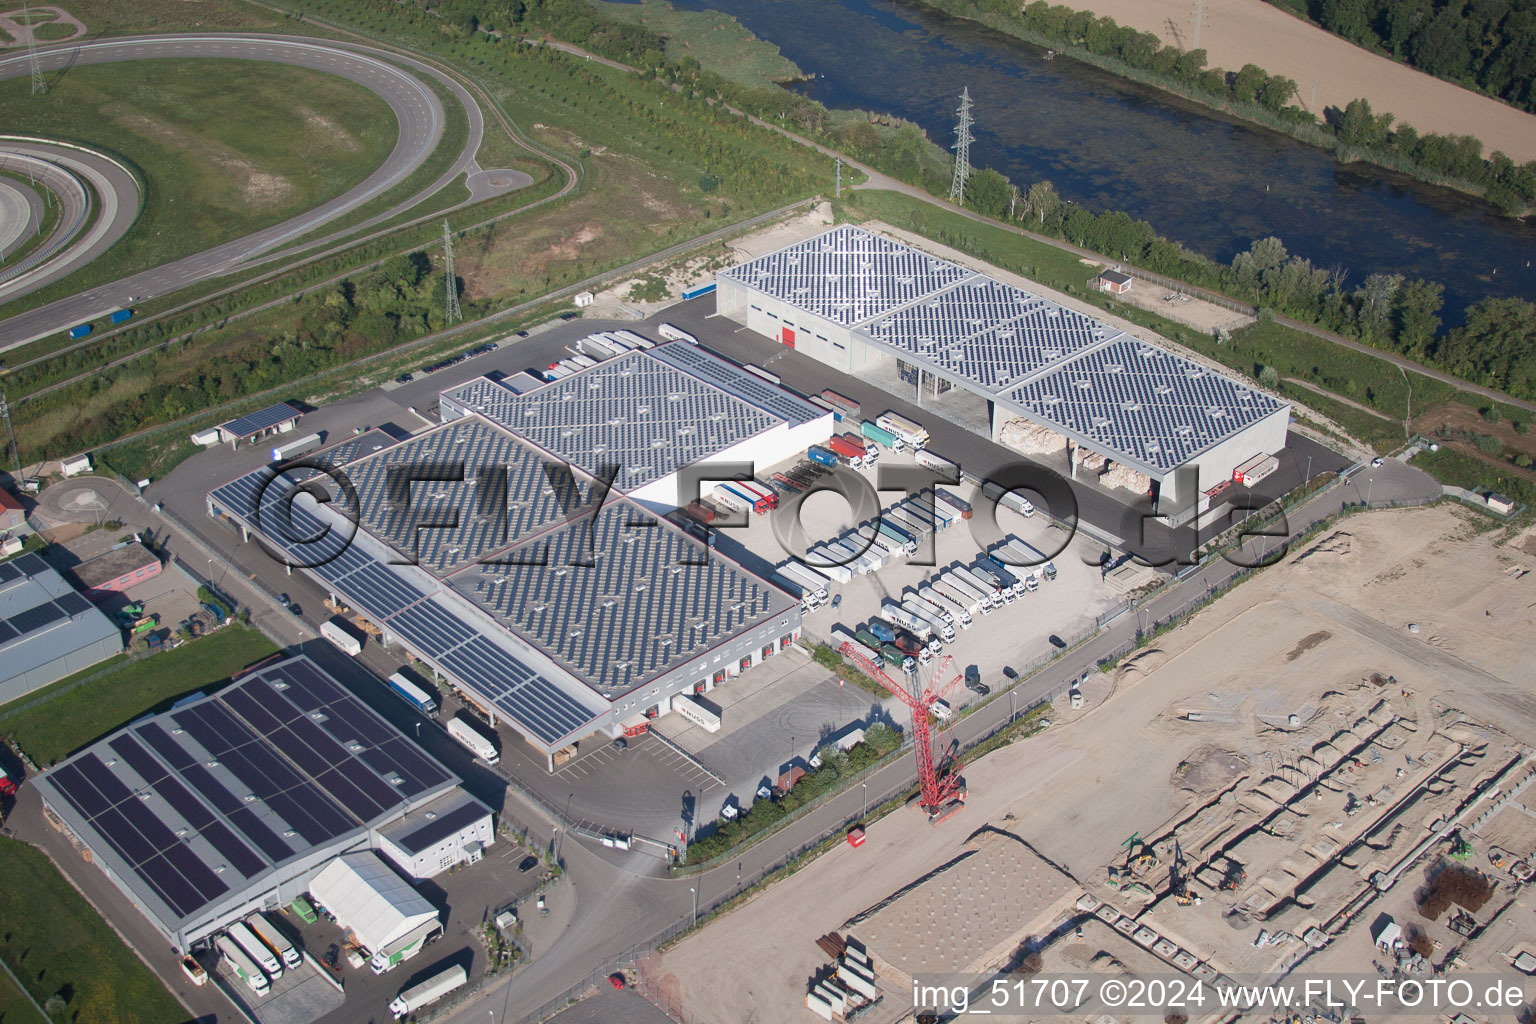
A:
[1238,32]
[1463,417]
[1303,639]
[1194,312]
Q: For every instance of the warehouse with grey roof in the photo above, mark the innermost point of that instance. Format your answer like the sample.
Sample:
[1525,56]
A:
[48,630]
[237,801]
[859,301]
[547,600]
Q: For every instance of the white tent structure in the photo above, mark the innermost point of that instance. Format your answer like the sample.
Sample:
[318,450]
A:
[381,909]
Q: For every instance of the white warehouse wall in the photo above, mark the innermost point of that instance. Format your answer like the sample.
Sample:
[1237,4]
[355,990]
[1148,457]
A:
[779,444]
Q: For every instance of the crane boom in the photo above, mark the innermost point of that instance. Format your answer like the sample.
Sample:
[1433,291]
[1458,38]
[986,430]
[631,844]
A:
[942,793]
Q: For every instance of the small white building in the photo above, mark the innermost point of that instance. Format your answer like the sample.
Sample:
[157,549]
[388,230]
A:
[1500,504]
[383,912]
[1114,282]
[206,438]
[75,466]
[1387,934]
[584,299]
[454,829]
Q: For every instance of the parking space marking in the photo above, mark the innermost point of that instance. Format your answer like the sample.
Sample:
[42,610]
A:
[587,763]
[669,758]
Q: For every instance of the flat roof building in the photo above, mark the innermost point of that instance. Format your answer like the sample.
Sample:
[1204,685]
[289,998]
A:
[860,302]
[47,629]
[235,802]
[545,599]
[116,571]
[274,419]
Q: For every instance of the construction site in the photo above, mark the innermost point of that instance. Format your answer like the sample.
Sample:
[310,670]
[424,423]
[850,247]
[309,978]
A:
[1325,771]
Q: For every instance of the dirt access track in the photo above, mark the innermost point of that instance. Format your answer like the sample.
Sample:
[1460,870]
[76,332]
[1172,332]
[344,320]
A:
[1238,32]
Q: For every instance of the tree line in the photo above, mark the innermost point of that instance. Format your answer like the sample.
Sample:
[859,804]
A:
[1487,45]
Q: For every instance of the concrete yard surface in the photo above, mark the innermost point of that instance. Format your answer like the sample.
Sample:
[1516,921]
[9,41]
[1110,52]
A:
[1296,718]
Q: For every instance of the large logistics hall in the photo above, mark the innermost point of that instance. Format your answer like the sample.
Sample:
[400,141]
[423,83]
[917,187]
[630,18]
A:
[860,302]
[479,546]
[237,802]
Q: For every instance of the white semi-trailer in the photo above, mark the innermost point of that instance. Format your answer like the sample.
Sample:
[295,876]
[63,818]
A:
[472,739]
[429,991]
[342,637]
[684,705]
[267,932]
[957,611]
[244,967]
[254,948]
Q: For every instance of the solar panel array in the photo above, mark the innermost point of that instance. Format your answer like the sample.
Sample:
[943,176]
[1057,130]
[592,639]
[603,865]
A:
[847,275]
[262,419]
[634,412]
[989,333]
[1064,369]
[624,601]
[208,797]
[729,377]
[1131,397]
[44,615]
[506,492]
[430,832]
[414,611]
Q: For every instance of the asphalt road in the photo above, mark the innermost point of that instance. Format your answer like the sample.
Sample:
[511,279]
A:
[21,209]
[417,109]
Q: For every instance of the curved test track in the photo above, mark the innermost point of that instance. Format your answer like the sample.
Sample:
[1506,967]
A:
[417,110]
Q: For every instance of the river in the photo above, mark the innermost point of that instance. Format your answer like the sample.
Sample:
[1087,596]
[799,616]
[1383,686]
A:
[1206,180]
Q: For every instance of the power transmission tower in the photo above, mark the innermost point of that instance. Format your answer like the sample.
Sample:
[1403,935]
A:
[12,448]
[962,147]
[39,83]
[451,311]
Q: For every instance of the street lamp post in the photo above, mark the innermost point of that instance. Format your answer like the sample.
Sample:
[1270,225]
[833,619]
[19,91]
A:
[866,800]
[695,892]
[1309,469]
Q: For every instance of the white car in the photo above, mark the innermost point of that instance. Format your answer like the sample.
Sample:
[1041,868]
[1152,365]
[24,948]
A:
[1377,463]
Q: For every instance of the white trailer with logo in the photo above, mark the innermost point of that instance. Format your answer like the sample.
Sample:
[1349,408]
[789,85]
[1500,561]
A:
[685,706]
[244,967]
[473,740]
[429,991]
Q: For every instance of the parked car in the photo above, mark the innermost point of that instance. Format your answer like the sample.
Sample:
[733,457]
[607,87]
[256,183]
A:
[282,599]
[1058,642]
[616,980]
[620,743]
[1009,672]
[1378,462]
[765,792]
[294,609]
[528,863]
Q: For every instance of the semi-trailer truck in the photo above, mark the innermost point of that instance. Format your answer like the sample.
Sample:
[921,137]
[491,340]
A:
[897,534]
[889,545]
[1015,552]
[767,495]
[473,740]
[428,992]
[1004,590]
[900,616]
[843,403]
[684,705]
[927,607]
[414,695]
[987,587]
[942,517]
[995,491]
[342,637]
[869,448]
[909,431]
[937,463]
[882,629]
[638,339]
[267,932]
[298,446]
[825,456]
[255,949]
[905,519]
[960,506]
[852,452]
[935,622]
[957,611]
[244,967]
[882,436]
[1017,582]
[120,316]
[808,579]
[828,564]
[675,334]
[954,589]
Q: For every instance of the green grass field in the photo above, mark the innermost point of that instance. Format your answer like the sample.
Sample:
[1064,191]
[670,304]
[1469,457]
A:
[717,41]
[215,165]
[59,945]
[50,731]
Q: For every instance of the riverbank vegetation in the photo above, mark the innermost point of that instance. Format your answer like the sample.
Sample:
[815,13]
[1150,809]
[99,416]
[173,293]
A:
[1251,93]
[1489,46]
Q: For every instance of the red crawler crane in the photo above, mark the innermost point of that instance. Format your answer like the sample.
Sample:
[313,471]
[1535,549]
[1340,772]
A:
[942,790]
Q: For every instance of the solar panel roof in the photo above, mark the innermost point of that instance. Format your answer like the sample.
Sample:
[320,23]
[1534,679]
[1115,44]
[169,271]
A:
[262,419]
[622,598]
[211,796]
[43,619]
[1081,376]
[645,413]
[1141,400]
[444,818]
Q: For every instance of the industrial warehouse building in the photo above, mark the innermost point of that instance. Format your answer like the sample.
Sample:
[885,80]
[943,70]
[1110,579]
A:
[861,302]
[116,570]
[47,629]
[486,549]
[238,801]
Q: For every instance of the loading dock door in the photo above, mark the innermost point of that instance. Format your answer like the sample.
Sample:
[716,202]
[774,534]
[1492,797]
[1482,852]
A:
[787,335]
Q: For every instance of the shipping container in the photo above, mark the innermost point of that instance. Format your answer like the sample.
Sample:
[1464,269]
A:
[758,371]
[825,456]
[1255,469]
[882,436]
[959,505]
[854,453]
[685,706]
[80,331]
[843,402]
[121,316]
[883,630]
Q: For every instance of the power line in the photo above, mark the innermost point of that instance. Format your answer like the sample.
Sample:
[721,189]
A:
[451,311]
[39,83]
[962,147]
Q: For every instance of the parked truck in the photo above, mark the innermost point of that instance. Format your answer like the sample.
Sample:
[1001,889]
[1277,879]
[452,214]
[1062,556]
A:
[473,740]
[80,331]
[428,992]
[937,463]
[825,456]
[807,579]
[936,623]
[853,453]
[889,545]
[255,949]
[685,706]
[341,636]
[882,436]
[906,540]
[904,518]
[275,940]
[120,316]
[1015,552]
[909,431]
[882,629]
[995,492]
[1005,591]
[972,602]
[244,967]
[900,616]
[847,406]
[989,588]
[1005,578]
[414,695]
[841,637]
[941,518]
[293,449]
[930,608]
[675,334]
[891,655]
[959,506]
[828,564]
[958,612]
[767,496]
[869,448]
